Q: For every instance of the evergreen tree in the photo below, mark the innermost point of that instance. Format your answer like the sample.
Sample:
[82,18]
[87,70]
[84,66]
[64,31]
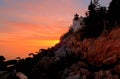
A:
[114,13]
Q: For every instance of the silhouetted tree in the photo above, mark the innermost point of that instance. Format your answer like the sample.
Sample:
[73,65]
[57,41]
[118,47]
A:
[2,58]
[18,58]
[31,54]
[95,20]
[2,63]
[114,13]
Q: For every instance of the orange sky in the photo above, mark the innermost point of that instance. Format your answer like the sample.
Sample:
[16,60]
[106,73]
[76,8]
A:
[28,25]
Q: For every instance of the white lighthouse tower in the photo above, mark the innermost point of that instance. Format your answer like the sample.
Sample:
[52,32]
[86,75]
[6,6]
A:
[78,22]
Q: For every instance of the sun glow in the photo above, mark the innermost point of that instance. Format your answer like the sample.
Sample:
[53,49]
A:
[44,43]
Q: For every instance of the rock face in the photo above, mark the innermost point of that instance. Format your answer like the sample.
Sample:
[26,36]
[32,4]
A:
[61,52]
[78,72]
[99,57]
[93,58]
[102,50]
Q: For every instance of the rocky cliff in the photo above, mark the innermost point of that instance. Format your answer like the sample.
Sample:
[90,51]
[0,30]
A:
[96,51]
[91,58]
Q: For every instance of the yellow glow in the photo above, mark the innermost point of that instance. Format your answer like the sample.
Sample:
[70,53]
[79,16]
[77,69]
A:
[44,42]
[24,47]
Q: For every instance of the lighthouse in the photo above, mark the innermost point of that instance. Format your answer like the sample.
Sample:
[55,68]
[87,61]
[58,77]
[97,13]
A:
[78,22]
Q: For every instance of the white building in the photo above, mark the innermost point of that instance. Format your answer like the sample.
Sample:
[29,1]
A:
[78,22]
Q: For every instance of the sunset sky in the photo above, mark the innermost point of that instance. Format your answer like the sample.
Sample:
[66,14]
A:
[28,25]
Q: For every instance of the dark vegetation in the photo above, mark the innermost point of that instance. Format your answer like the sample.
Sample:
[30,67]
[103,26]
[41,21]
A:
[40,66]
[98,19]
[44,64]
